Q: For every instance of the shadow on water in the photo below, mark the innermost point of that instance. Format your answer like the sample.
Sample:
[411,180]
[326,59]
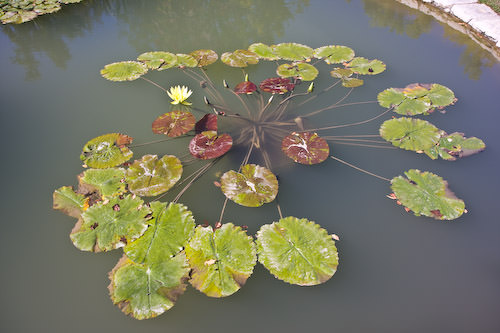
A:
[413,23]
[170,23]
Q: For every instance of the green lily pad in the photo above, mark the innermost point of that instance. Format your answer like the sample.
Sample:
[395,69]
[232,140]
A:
[148,291]
[351,82]
[186,60]
[108,182]
[124,71]
[341,73]
[209,144]
[158,60]
[427,194]
[174,123]
[239,58]
[334,54]
[416,98]
[110,224]
[171,226]
[410,134]
[69,202]
[297,251]
[204,57]
[263,51]
[222,260]
[253,187]
[364,66]
[151,176]
[107,151]
[455,145]
[293,51]
[305,148]
[303,71]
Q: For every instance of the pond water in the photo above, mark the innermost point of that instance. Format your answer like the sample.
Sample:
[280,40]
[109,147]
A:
[397,272]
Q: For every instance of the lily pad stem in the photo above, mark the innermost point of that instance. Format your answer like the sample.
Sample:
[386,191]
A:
[359,169]
[353,124]
[154,83]
[319,93]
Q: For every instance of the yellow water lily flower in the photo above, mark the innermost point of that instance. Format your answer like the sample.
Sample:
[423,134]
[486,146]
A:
[179,94]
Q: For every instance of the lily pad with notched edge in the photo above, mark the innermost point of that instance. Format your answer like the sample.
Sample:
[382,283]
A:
[297,251]
[427,194]
[204,57]
[174,123]
[107,151]
[239,58]
[263,51]
[207,123]
[209,144]
[245,87]
[253,187]
[277,85]
[410,134]
[222,260]
[334,54]
[69,202]
[108,182]
[364,66]
[146,291]
[158,60]
[171,226]
[303,71]
[151,176]
[110,224]
[305,148]
[455,145]
[124,71]
[293,51]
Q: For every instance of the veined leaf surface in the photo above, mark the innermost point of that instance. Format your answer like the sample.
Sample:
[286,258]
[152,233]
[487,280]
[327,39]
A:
[107,151]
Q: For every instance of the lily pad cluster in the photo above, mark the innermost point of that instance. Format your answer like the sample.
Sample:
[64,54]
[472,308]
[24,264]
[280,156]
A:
[20,11]
[117,201]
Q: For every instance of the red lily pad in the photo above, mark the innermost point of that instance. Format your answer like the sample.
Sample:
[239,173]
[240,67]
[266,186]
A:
[174,123]
[305,148]
[245,87]
[277,85]
[207,123]
[208,144]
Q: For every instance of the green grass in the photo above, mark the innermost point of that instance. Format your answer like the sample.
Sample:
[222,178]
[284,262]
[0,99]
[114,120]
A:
[494,4]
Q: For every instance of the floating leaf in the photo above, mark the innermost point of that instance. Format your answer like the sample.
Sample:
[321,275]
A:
[69,202]
[301,70]
[297,251]
[427,194]
[334,54]
[222,260]
[305,147]
[106,151]
[410,134]
[364,66]
[416,98]
[186,60]
[277,85]
[174,123]
[263,51]
[147,291]
[245,87]
[455,145]
[204,57]
[110,224]
[341,73]
[293,51]
[158,60]
[239,58]
[108,182]
[253,187]
[207,123]
[208,145]
[124,71]
[151,176]
[352,82]
[171,227]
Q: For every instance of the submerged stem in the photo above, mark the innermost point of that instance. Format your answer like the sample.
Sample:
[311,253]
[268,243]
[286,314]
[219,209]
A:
[359,169]
[352,124]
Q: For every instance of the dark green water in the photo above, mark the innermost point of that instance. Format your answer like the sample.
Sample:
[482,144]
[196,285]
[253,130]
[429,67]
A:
[397,272]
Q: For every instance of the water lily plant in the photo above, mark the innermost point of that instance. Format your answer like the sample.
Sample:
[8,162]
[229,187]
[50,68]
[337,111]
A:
[118,204]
